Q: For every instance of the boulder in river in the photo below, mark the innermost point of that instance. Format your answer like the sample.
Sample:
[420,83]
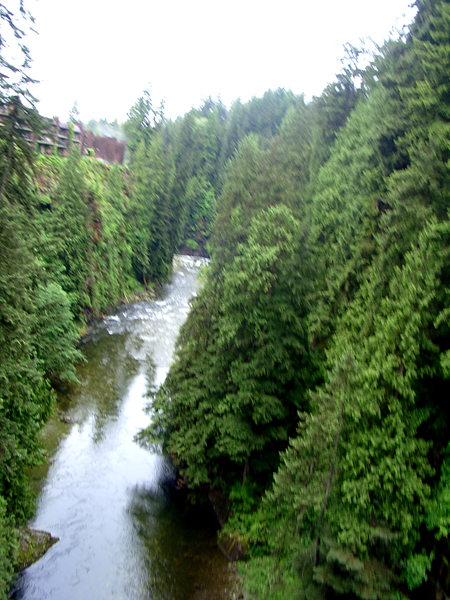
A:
[33,544]
[233,546]
[67,419]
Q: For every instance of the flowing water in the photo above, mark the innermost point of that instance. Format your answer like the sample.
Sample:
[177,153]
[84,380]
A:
[105,497]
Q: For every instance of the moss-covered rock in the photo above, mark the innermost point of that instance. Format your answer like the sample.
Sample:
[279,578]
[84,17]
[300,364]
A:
[33,544]
[233,545]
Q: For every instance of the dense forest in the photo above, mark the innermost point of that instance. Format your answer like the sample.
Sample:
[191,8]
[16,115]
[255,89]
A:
[307,398]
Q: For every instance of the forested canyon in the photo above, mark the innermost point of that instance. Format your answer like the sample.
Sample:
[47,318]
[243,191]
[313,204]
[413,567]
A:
[306,401]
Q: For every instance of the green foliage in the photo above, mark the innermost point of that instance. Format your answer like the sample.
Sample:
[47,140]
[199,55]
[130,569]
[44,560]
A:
[438,514]
[16,153]
[8,551]
[417,567]
[19,117]
[196,142]
[25,397]
[261,116]
[200,202]
[192,244]
[270,578]
[56,335]
[232,406]
[331,111]
[346,208]
[69,230]
[245,498]
[100,218]
[357,472]
[142,122]
[150,211]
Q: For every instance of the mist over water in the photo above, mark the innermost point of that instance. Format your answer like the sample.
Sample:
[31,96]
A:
[104,496]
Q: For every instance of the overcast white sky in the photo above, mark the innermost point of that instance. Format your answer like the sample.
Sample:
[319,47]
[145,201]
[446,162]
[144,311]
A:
[104,53]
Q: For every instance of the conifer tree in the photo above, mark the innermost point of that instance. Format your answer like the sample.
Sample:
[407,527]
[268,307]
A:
[161,180]
[243,364]
[55,334]
[359,517]
[142,121]
[151,213]
[113,255]
[71,234]
[330,113]
[25,397]
[19,116]
[201,204]
[16,153]
[8,550]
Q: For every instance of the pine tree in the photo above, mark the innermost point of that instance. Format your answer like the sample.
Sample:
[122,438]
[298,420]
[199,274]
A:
[69,219]
[330,113]
[243,364]
[347,208]
[8,551]
[25,397]
[55,334]
[161,181]
[142,121]
[358,500]
[19,117]
[151,212]
[114,241]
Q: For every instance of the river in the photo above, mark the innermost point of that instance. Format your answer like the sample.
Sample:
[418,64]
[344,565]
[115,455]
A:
[105,497]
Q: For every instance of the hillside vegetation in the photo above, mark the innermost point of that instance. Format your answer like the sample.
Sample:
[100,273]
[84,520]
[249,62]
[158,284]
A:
[311,377]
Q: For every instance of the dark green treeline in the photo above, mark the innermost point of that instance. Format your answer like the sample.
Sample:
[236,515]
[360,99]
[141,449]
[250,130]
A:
[311,383]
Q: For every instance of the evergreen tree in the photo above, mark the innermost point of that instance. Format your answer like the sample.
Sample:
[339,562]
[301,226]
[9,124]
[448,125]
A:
[201,203]
[359,500]
[243,365]
[19,117]
[348,205]
[25,397]
[16,153]
[113,246]
[161,180]
[7,551]
[55,334]
[151,212]
[69,220]
[261,116]
[331,111]
[143,119]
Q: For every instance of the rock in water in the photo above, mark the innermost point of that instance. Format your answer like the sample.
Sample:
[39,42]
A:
[33,544]
[233,546]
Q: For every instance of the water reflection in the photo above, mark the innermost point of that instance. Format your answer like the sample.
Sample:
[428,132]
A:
[105,379]
[107,498]
[180,557]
